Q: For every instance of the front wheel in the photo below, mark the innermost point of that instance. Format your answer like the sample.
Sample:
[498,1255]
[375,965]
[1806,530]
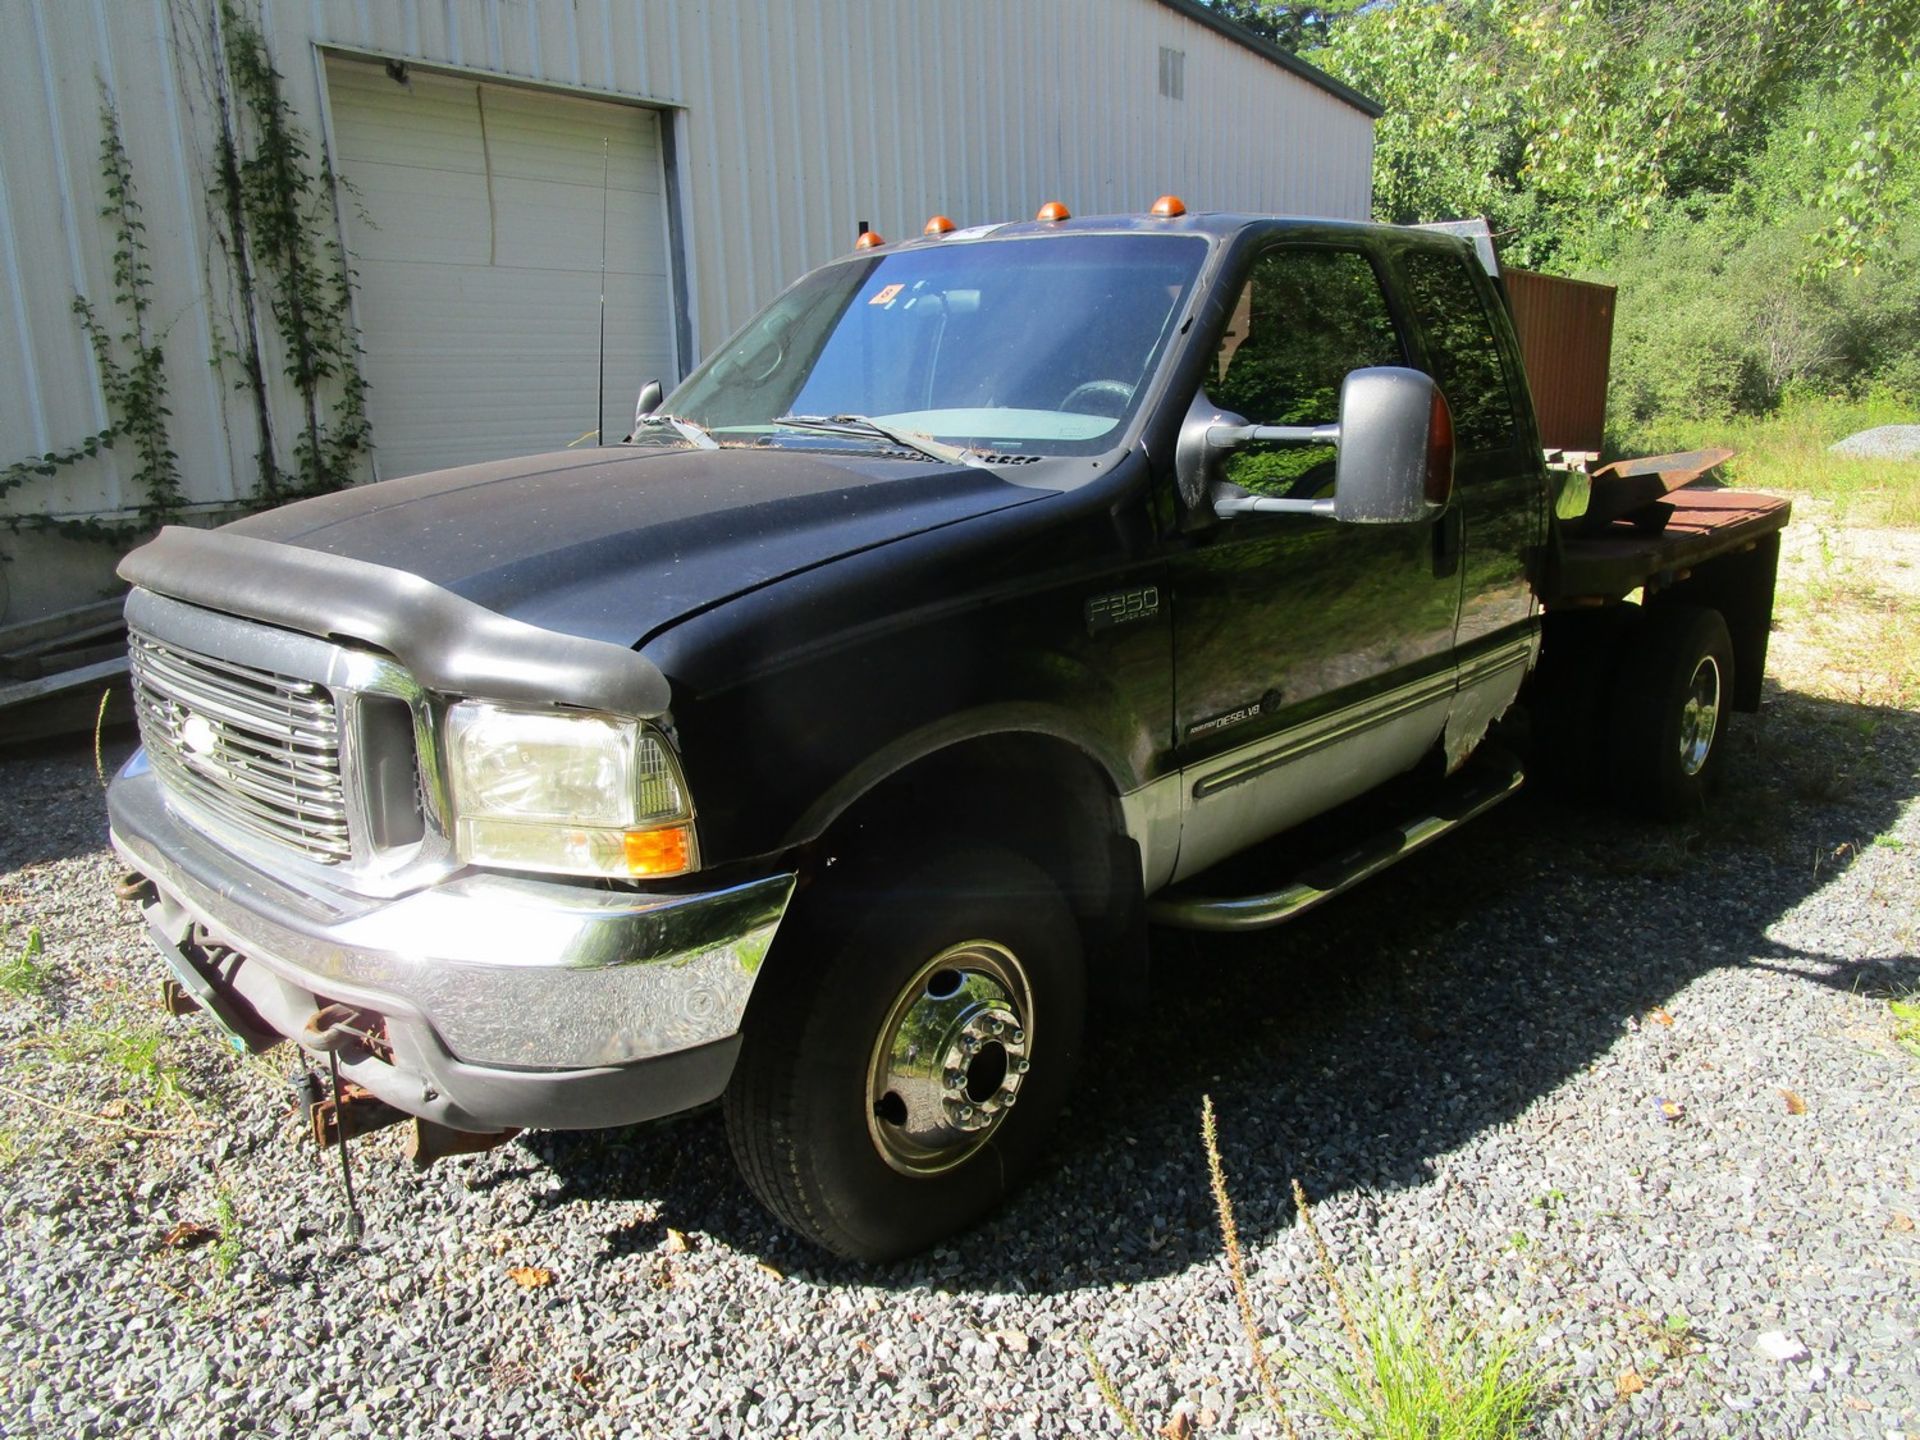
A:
[902,1064]
[1669,711]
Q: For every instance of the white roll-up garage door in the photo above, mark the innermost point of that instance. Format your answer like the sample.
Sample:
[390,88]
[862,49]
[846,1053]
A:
[474,218]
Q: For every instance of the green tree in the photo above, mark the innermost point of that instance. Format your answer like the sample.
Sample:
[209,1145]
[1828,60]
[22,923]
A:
[1567,121]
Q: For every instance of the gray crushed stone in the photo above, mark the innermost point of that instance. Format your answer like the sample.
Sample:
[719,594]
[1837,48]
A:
[1468,1063]
[1883,442]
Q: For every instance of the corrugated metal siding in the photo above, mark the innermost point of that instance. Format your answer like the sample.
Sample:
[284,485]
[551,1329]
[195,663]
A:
[1565,328]
[788,122]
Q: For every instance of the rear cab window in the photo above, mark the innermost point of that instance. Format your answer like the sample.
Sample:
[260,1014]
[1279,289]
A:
[1463,353]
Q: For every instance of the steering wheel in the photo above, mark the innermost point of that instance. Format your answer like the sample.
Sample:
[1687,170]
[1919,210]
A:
[1100,397]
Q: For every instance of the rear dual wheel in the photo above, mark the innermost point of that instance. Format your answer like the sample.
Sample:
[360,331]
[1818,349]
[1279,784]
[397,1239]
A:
[1668,717]
[904,1061]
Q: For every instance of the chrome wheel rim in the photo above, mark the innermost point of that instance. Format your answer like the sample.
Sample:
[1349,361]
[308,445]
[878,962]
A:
[950,1058]
[1700,716]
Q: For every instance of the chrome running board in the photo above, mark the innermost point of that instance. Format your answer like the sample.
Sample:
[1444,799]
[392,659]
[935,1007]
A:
[1324,881]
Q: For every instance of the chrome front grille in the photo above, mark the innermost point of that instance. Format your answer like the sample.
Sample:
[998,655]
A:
[255,749]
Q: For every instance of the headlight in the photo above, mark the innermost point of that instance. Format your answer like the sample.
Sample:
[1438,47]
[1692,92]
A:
[575,794]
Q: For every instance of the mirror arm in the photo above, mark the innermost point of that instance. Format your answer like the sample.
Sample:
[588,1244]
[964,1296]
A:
[1229,505]
[1232,437]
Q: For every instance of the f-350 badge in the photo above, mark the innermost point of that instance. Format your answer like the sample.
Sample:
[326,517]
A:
[1122,607]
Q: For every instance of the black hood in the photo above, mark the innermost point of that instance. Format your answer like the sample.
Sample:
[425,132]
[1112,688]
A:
[616,544]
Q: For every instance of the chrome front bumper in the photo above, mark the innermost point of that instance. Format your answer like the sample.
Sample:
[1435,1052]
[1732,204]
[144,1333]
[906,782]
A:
[507,1001]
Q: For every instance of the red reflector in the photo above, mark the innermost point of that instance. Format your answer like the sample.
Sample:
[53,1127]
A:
[1439,451]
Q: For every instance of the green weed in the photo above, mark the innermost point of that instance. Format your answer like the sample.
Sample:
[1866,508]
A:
[1418,1376]
[27,973]
[138,1050]
[1906,1021]
[228,1248]
[1401,1370]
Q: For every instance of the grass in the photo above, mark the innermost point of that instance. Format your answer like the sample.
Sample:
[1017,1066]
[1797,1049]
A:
[1787,452]
[1906,1021]
[227,1249]
[138,1050]
[25,972]
[1393,1365]
[1428,1378]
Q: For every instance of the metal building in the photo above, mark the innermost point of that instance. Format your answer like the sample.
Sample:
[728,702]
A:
[499,154]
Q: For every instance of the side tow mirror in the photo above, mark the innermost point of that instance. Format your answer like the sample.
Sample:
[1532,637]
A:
[651,394]
[1396,448]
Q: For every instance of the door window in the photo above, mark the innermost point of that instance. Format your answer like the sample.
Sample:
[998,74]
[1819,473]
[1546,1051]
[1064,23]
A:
[1462,351]
[1304,319]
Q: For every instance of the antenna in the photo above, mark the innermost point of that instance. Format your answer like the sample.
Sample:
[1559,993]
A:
[600,379]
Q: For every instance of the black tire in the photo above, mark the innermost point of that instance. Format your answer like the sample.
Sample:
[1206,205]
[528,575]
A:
[1667,753]
[799,1105]
[1569,695]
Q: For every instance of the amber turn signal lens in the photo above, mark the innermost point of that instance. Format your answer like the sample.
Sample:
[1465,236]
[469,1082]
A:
[938,225]
[1053,211]
[660,852]
[869,240]
[1439,485]
[1168,206]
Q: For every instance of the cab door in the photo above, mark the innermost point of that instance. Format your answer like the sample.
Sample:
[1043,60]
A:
[1312,659]
[1499,479]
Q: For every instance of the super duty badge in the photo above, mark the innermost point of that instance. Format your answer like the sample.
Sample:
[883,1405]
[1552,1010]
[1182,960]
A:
[1122,607]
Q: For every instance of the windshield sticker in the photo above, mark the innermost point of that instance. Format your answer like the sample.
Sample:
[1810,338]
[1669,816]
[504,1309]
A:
[886,294]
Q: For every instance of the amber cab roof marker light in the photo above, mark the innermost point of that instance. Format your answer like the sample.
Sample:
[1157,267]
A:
[870,240]
[938,225]
[1169,206]
[1053,212]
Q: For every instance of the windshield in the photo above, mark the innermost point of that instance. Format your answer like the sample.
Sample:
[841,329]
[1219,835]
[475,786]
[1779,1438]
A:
[1021,347]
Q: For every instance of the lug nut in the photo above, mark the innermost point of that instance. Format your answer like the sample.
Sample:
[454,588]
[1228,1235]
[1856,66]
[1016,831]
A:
[1021,1066]
[1019,1037]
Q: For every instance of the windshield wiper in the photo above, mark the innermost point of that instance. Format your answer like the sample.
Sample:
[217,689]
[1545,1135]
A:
[867,425]
[687,430]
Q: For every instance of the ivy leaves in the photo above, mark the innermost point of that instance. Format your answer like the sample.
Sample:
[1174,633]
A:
[132,369]
[278,204]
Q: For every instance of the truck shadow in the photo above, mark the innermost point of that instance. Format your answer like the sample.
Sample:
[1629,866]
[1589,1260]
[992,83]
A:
[1357,1046]
[51,805]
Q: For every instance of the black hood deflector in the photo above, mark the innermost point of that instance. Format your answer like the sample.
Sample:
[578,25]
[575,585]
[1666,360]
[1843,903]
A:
[448,643]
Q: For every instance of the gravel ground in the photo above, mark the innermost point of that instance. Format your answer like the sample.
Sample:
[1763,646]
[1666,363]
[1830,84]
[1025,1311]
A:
[1883,442]
[1634,1092]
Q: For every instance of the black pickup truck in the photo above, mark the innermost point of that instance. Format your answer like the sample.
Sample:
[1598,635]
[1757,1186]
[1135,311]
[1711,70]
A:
[826,747]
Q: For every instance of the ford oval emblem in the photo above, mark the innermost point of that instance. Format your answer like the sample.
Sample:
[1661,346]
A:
[199,735]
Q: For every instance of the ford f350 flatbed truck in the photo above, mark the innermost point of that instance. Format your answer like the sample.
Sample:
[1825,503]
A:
[826,746]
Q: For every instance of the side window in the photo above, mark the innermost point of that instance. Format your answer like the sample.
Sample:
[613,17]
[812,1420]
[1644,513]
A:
[1303,320]
[1466,358]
